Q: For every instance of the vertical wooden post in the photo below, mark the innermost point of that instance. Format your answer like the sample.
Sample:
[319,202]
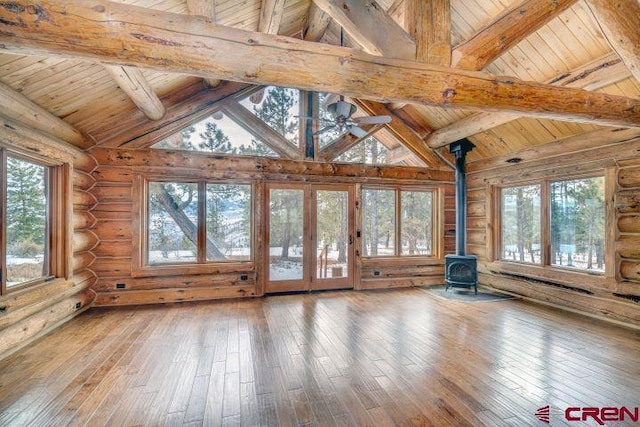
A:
[611,222]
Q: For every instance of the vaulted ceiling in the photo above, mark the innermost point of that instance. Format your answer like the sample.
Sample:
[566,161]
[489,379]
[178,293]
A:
[128,72]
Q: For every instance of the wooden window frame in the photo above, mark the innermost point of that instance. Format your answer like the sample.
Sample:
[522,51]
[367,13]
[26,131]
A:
[59,218]
[437,220]
[545,268]
[141,266]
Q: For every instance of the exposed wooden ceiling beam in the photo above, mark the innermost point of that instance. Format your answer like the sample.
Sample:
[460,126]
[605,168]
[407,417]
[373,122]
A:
[271,16]
[160,41]
[596,74]
[206,8]
[506,31]
[18,107]
[135,85]
[398,154]
[429,23]
[370,26]
[402,132]
[315,24]
[345,142]
[262,131]
[620,23]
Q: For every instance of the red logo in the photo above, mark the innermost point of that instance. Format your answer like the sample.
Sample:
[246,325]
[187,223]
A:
[543,414]
[599,415]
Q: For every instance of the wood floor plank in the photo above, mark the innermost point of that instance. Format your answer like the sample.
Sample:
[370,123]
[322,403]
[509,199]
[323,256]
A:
[367,358]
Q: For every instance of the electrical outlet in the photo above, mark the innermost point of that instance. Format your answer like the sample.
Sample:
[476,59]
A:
[121,285]
[376,272]
[244,277]
[78,305]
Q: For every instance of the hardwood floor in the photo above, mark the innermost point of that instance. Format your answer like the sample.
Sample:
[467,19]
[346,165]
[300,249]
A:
[378,358]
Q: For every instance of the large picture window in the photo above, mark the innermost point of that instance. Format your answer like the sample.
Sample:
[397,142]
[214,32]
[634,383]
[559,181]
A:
[397,222]
[557,223]
[27,211]
[198,222]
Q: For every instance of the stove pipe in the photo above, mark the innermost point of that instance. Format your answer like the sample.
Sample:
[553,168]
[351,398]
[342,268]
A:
[460,149]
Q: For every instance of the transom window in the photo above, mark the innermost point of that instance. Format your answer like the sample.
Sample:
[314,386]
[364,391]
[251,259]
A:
[27,189]
[397,222]
[574,219]
[198,222]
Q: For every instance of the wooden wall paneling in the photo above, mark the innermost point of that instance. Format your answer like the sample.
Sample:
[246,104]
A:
[83,220]
[83,180]
[84,240]
[628,201]
[109,284]
[82,260]
[83,199]
[112,267]
[28,329]
[629,223]
[627,246]
[157,296]
[114,248]
[113,229]
[85,278]
[400,282]
[107,193]
[619,310]
[629,177]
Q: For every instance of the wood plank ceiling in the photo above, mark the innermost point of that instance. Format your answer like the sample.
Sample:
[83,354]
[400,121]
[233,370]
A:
[575,44]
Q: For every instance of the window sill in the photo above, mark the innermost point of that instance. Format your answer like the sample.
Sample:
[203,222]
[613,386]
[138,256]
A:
[403,260]
[193,269]
[555,274]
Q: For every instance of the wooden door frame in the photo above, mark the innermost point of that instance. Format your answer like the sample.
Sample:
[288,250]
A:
[309,261]
[346,282]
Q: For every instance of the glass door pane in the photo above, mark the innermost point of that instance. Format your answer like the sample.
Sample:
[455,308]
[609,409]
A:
[286,226]
[333,234]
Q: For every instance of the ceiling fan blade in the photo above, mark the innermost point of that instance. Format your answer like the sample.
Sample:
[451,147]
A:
[372,120]
[356,131]
[324,129]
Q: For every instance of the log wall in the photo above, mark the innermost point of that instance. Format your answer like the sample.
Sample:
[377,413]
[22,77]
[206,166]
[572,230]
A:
[28,313]
[614,296]
[118,283]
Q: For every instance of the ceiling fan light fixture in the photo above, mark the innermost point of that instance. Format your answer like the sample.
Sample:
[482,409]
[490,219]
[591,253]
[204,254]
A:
[341,109]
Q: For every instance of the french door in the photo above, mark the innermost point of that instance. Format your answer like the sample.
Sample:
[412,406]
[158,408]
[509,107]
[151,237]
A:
[309,237]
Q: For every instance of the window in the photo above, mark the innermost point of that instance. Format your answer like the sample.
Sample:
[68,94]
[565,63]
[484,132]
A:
[578,223]
[397,222]
[198,222]
[521,224]
[28,210]
[575,220]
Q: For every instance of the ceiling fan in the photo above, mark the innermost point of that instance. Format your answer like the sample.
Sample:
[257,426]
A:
[341,112]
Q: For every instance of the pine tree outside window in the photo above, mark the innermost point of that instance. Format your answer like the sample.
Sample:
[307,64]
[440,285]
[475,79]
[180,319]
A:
[197,222]
[27,211]
[570,212]
[398,222]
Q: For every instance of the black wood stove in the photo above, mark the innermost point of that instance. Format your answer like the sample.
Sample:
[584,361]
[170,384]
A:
[461,270]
